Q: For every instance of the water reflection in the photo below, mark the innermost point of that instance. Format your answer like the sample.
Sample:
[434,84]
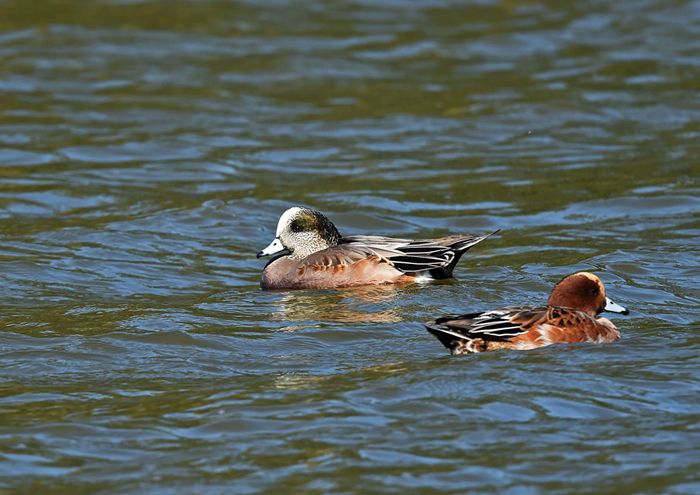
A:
[145,153]
[368,304]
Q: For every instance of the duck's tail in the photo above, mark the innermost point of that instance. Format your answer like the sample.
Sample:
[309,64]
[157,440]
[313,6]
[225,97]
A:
[460,244]
[456,342]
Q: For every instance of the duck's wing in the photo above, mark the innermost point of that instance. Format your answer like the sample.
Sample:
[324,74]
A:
[500,324]
[478,332]
[343,254]
[437,257]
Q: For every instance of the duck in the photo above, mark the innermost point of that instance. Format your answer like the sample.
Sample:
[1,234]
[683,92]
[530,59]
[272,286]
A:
[311,254]
[570,316]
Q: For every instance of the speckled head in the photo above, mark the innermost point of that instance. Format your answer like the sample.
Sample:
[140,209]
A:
[585,292]
[302,231]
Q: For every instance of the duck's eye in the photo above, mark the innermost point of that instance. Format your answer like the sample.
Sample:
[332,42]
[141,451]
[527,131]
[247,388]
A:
[296,226]
[593,292]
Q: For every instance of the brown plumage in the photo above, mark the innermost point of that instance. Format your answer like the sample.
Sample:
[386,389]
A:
[319,257]
[571,316]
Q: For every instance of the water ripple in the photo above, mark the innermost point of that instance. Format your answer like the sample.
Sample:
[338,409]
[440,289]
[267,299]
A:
[146,155]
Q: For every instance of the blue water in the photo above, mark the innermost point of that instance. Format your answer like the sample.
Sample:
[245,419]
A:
[147,152]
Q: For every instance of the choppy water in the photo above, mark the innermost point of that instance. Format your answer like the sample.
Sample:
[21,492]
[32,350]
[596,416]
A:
[148,148]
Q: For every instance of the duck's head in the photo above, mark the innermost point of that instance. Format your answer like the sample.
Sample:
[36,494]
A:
[585,292]
[302,231]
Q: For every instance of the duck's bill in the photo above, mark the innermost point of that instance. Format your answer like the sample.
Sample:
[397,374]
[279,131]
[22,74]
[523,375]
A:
[614,307]
[275,247]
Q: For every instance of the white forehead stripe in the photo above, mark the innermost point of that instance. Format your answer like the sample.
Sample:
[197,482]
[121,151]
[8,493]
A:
[286,219]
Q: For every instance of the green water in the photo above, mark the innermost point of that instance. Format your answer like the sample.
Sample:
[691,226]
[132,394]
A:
[148,148]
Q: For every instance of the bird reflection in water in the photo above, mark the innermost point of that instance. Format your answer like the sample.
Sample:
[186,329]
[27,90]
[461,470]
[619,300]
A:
[366,304]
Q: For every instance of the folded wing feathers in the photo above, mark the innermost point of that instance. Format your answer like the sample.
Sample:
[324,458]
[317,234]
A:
[405,255]
[446,331]
[467,243]
[423,250]
[497,328]
[415,255]
[498,323]
[418,264]
[419,256]
[495,323]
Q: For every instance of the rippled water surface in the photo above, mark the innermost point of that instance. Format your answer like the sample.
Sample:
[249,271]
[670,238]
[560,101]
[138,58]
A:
[147,149]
